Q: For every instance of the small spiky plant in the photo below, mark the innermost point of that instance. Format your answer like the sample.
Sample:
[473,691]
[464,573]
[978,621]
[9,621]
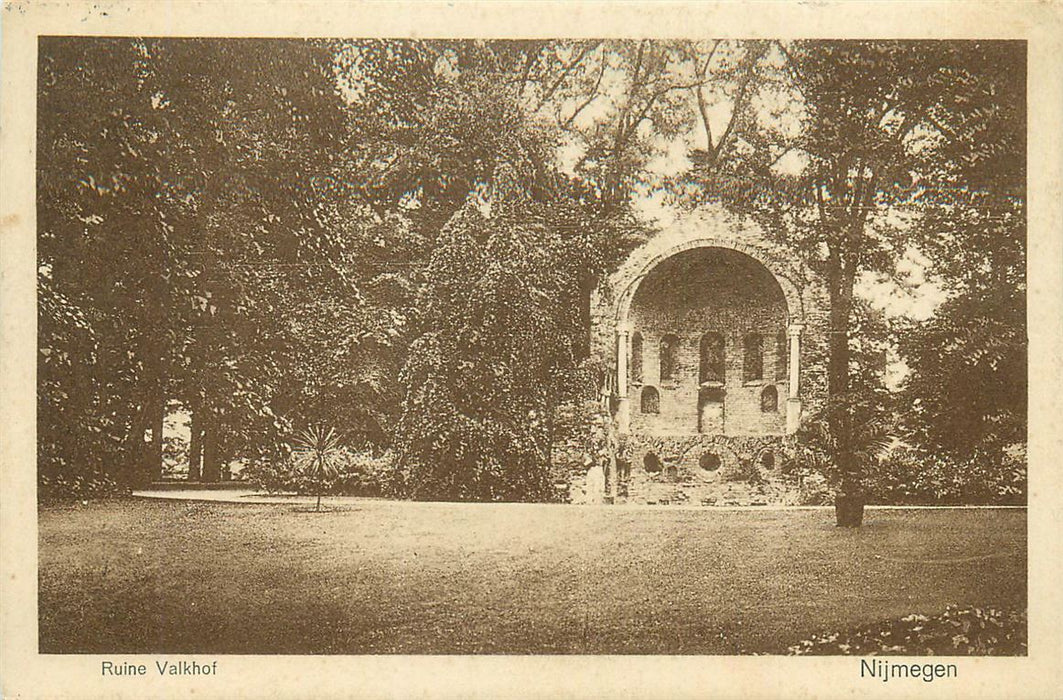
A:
[317,455]
[871,427]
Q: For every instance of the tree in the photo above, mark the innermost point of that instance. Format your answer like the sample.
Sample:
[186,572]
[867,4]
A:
[317,456]
[880,130]
[212,215]
[104,246]
[511,239]
[968,362]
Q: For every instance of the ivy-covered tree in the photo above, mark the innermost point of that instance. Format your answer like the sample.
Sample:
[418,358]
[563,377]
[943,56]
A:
[512,240]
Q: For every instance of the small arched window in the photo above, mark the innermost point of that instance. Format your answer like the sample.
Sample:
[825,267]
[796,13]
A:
[636,357]
[769,399]
[711,365]
[781,357]
[651,400]
[652,463]
[669,358]
[753,359]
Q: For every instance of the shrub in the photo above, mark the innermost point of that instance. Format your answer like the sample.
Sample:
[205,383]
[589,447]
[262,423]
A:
[813,489]
[802,471]
[910,475]
[365,474]
[956,632]
[93,484]
[904,474]
[358,473]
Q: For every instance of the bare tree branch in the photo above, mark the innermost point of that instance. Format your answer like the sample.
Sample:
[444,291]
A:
[566,70]
[590,98]
[703,108]
[740,99]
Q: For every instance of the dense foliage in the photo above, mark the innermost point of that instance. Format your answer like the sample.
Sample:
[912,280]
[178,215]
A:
[78,485]
[288,218]
[189,220]
[917,475]
[877,149]
[397,240]
[956,632]
[354,473]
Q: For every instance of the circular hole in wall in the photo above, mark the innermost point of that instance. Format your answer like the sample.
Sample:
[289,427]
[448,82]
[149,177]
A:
[652,463]
[767,459]
[709,461]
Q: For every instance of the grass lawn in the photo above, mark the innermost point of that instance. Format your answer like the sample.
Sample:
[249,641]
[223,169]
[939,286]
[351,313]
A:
[140,576]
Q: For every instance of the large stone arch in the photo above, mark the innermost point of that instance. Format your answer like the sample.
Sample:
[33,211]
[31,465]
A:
[730,235]
[629,282]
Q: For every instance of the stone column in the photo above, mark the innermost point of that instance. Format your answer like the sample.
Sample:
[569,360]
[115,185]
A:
[793,401]
[622,351]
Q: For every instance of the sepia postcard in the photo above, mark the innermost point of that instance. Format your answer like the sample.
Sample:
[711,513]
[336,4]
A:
[531,349]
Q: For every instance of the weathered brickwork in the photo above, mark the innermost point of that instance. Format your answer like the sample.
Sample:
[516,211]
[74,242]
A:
[721,292]
[705,470]
[707,426]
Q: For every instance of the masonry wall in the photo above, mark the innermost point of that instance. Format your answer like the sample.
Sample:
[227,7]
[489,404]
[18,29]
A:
[683,470]
[747,434]
[719,291]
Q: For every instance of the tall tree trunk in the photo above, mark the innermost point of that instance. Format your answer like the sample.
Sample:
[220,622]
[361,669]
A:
[153,350]
[195,445]
[157,416]
[211,456]
[849,501]
[150,417]
[838,376]
[136,452]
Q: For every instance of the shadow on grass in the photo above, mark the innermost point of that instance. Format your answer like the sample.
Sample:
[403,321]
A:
[132,575]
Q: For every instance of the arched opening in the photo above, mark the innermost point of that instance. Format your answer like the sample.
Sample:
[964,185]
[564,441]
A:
[753,358]
[726,258]
[651,400]
[711,297]
[767,459]
[709,461]
[711,358]
[652,463]
[636,357]
[669,358]
[710,410]
[769,399]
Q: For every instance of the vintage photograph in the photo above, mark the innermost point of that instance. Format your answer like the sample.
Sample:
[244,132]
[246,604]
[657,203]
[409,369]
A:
[543,347]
